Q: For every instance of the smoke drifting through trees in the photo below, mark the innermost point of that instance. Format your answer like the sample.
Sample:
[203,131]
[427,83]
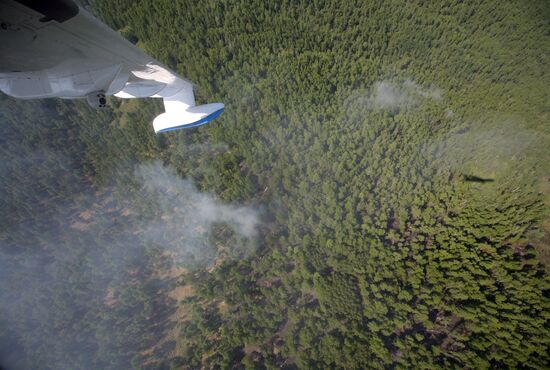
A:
[79,278]
[391,95]
[491,147]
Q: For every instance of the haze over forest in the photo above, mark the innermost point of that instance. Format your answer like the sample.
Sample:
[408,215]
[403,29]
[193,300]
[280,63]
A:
[375,195]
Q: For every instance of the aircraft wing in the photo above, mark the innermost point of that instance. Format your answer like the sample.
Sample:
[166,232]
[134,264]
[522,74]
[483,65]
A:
[57,49]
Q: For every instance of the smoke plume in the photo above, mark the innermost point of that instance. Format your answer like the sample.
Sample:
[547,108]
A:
[86,275]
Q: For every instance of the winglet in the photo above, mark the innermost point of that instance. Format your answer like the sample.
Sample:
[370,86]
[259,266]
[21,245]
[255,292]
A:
[177,95]
[175,119]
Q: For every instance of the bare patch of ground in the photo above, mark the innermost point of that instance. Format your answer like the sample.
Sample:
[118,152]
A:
[109,299]
[223,308]
[181,292]
[249,349]
[85,215]
[80,226]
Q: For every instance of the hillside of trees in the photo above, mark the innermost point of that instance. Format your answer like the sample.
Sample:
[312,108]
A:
[393,158]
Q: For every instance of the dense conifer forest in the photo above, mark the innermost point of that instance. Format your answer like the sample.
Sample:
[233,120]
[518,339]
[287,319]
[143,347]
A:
[375,195]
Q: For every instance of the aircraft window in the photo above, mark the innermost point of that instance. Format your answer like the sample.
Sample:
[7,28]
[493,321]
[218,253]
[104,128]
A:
[57,10]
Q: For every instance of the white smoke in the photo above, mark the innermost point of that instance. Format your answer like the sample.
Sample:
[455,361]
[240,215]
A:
[390,95]
[61,270]
[183,216]
[490,147]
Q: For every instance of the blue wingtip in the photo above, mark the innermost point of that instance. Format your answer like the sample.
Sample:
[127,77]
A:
[200,122]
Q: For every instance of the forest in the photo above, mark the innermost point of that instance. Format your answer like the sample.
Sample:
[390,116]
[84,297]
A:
[376,195]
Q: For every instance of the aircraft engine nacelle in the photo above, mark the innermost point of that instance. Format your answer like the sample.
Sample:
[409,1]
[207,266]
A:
[97,100]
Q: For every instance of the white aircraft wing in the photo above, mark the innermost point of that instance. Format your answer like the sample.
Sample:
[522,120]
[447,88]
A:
[57,49]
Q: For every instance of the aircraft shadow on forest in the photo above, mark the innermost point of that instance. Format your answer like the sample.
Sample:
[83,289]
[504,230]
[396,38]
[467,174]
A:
[472,178]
